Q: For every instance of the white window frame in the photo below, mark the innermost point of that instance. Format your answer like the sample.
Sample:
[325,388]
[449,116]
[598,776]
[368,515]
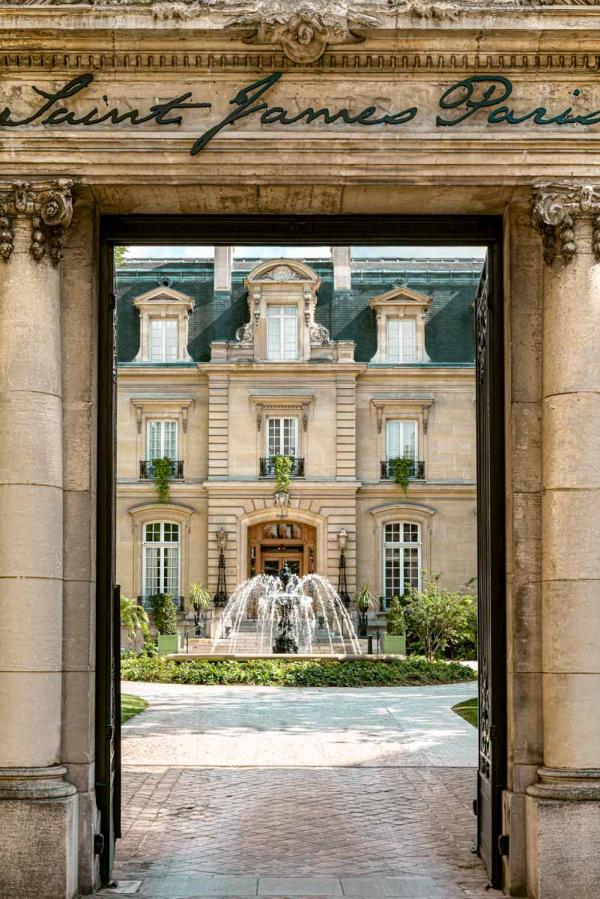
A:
[287,313]
[401,545]
[150,424]
[280,451]
[161,357]
[162,545]
[405,347]
[403,423]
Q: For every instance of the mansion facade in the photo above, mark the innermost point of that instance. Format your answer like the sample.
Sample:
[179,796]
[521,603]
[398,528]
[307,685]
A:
[343,365]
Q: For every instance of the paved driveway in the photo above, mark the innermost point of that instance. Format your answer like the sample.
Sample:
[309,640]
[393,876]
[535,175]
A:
[268,792]
[277,727]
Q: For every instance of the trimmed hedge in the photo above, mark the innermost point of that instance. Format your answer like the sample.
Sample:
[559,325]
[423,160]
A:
[413,671]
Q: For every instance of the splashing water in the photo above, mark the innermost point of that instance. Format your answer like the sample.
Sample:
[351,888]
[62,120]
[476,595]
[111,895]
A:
[288,609]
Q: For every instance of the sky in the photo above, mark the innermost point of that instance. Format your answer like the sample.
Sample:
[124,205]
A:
[304,252]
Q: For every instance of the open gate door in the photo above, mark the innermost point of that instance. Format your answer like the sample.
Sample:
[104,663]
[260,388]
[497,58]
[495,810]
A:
[108,650]
[491,778]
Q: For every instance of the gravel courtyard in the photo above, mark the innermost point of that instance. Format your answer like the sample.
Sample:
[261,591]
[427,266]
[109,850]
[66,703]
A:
[263,791]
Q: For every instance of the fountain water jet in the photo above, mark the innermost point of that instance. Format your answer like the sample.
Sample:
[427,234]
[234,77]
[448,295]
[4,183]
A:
[288,608]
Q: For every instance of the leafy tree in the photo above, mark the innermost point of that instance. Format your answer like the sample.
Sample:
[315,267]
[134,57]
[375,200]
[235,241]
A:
[396,624]
[134,617]
[164,613]
[120,253]
[437,617]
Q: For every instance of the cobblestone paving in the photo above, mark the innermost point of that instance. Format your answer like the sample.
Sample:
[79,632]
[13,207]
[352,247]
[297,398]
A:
[387,832]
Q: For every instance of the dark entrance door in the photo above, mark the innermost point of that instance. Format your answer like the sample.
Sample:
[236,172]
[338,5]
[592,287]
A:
[108,650]
[491,777]
[274,562]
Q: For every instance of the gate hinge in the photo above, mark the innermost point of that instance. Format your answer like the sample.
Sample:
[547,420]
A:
[98,843]
[475,808]
[504,844]
[112,300]
[109,731]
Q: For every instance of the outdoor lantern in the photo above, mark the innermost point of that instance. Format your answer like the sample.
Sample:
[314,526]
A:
[342,584]
[222,539]
[342,538]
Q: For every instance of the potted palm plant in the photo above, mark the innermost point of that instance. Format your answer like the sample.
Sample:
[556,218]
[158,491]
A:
[365,600]
[394,640]
[198,598]
[134,617]
[165,619]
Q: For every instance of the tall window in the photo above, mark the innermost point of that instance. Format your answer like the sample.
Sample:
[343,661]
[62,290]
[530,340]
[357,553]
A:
[161,558]
[401,558]
[282,332]
[164,339]
[162,440]
[282,437]
[401,439]
[401,340]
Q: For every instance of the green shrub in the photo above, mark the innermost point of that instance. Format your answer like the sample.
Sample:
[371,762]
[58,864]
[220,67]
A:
[396,624]
[365,672]
[436,618]
[164,613]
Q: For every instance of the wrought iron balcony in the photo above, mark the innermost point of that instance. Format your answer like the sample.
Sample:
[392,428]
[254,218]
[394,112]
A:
[178,601]
[267,468]
[416,470]
[147,469]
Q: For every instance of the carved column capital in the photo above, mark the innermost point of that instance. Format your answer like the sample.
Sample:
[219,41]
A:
[49,207]
[556,206]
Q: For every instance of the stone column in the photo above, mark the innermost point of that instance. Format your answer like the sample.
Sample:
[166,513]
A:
[38,808]
[563,815]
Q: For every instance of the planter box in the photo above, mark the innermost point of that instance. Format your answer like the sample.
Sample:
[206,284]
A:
[168,643]
[394,645]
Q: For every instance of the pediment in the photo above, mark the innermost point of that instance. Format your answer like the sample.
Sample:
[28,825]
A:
[164,296]
[282,271]
[401,296]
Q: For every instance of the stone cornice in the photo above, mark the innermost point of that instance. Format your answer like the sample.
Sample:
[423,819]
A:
[556,206]
[49,207]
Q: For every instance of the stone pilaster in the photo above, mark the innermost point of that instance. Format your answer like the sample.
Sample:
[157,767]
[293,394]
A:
[38,808]
[563,816]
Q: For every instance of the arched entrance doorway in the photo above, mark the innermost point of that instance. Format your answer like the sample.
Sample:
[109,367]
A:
[273,544]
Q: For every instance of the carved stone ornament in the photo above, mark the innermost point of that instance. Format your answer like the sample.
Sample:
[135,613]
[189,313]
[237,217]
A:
[555,208]
[305,30]
[282,273]
[49,207]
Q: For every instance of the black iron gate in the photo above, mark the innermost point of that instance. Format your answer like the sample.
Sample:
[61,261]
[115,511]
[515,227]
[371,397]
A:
[491,567]
[108,650]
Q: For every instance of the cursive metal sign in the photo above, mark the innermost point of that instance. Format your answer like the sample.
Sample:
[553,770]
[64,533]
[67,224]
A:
[478,95]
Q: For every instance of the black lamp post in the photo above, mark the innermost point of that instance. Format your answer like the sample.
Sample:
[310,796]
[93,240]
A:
[221,596]
[342,587]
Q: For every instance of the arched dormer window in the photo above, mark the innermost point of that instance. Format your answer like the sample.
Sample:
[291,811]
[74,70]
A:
[164,315]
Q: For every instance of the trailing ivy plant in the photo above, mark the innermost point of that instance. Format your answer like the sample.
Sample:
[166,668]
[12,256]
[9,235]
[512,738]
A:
[283,470]
[402,468]
[163,469]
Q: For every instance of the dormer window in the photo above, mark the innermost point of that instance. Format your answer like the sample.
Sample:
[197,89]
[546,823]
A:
[282,333]
[164,340]
[401,340]
[400,326]
[164,315]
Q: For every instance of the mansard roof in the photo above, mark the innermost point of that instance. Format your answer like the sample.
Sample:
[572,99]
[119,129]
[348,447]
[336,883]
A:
[450,283]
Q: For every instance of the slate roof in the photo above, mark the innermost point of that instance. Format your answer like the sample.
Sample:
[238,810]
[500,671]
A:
[449,329]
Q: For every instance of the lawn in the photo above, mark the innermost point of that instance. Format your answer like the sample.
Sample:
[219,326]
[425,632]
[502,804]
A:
[467,710]
[413,671]
[130,706]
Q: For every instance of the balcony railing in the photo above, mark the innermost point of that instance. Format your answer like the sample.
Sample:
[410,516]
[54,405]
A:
[147,469]
[178,600]
[267,468]
[416,470]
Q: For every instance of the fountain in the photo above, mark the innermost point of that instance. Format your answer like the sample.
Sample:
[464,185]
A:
[287,609]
